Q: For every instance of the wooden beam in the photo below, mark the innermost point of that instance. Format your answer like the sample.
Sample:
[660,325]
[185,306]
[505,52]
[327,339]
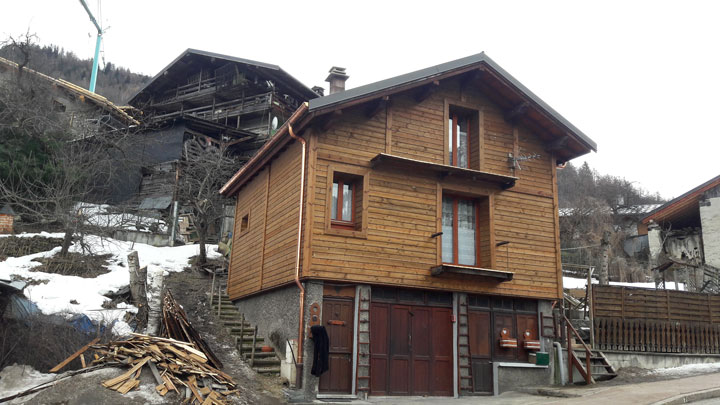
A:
[471,77]
[517,111]
[73,356]
[427,91]
[379,105]
[329,120]
[558,144]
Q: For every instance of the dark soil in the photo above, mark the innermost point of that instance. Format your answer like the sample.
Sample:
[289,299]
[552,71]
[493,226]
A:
[74,264]
[13,246]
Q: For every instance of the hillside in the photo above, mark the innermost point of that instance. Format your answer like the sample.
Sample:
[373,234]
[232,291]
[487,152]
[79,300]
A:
[117,84]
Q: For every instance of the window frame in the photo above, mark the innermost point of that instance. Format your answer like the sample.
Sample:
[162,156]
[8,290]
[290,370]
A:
[340,223]
[455,226]
[242,231]
[476,133]
[476,193]
[358,228]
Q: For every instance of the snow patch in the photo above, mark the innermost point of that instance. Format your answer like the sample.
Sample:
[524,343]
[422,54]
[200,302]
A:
[54,293]
[572,282]
[19,378]
[689,369]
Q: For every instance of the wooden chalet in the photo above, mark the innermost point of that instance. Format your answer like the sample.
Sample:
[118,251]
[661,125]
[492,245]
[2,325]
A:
[216,100]
[416,218]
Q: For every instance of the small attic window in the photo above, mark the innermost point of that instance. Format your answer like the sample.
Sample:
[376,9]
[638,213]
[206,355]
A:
[244,223]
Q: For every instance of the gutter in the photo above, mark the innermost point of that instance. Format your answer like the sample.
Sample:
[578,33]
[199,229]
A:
[301,323]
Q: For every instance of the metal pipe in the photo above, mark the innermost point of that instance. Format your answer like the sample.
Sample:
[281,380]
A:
[301,326]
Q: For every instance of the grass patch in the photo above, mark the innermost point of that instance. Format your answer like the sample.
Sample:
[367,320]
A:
[74,264]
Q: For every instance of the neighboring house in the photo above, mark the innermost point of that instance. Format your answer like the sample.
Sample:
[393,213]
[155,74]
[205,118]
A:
[219,100]
[80,105]
[684,238]
[416,218]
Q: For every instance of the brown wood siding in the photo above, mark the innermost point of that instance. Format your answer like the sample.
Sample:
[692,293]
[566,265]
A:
[402,211]
[264,256]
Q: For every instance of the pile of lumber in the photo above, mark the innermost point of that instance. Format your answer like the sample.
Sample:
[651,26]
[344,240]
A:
[175,325]
[175,365]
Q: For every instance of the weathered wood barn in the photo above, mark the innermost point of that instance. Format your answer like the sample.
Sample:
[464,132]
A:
[416,218]
[219,100]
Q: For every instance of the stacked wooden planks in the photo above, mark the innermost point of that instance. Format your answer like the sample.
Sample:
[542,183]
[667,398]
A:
[175,365]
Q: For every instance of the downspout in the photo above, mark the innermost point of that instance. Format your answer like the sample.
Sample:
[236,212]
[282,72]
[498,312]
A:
[301,332]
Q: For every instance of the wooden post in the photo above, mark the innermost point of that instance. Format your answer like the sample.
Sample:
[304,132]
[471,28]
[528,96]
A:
[138,286]
[219,299]
[590,307]
[588,370]
[569,351]
[252,353]
[212,290]
[242,333]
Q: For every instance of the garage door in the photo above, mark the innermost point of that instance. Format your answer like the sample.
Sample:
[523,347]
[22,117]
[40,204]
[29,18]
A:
[411,344]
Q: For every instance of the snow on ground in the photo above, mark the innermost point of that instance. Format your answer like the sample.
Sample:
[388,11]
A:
[43,234]
[54,294]
[18,378]
[572,282]
[689,369]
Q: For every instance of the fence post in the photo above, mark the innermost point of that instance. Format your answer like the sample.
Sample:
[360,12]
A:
[590,307]
[219,299]
[252,353]
[570,351]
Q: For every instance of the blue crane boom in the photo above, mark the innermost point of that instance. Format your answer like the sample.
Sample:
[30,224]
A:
[93,77]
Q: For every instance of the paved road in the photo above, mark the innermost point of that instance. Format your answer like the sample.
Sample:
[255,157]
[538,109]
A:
[640,393]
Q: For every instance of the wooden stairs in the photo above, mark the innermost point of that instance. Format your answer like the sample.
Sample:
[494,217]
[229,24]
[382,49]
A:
[247,342]
[592,364]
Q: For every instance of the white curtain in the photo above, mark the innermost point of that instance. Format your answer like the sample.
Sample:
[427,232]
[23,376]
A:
[447,229]
[466,233]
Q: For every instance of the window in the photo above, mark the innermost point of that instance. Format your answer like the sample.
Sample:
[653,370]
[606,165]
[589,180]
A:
[347,201]
[343,205]
[244,223]
[459,224]
[458,144]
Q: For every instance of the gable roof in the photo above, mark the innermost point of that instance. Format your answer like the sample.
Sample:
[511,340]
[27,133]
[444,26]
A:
[681,208]
[488,70]
[291,84]
[459,66]
[94,98]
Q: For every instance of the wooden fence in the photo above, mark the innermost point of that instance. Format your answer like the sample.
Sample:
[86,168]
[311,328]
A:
[665,321]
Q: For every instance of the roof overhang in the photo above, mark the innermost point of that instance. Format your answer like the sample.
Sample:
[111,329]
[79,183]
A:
[681,207]
[494,80]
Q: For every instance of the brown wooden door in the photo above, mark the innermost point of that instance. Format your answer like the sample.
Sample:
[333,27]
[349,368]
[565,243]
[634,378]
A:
[410,350]
[338,320]
[480,346]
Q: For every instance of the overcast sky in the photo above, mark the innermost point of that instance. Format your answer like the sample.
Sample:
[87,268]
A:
[640,78]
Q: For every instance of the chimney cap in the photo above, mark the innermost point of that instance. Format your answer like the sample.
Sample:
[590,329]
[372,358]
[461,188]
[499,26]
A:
[319,90]
[336,72]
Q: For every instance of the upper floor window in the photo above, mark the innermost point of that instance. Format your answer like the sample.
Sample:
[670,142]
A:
[343,205]
[459,225]
[458,131]
[347,201]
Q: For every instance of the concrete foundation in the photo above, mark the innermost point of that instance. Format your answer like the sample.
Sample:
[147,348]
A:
[656,360]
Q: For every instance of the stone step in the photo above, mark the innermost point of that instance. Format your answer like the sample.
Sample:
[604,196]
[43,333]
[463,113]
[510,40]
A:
[224,305]
[248,339]
[267,370]
[239,330]
[266,362]
[232,323]
[260,355]
[247,348]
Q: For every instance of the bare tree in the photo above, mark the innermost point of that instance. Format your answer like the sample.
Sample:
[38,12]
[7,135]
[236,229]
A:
[52,159]
[205,168]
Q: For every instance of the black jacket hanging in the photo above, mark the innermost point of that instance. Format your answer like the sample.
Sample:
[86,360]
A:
[322,350]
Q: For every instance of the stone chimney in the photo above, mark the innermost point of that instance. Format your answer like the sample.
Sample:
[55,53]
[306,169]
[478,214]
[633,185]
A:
[318,90]
[337,78]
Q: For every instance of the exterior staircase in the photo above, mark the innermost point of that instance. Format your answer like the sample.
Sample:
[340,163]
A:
[600,368]
[247,342]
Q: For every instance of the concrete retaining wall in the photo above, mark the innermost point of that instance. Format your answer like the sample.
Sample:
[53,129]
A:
[656,360]
[153,239]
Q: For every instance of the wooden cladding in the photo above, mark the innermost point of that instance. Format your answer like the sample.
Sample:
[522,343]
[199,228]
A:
[664,305]
[646,335]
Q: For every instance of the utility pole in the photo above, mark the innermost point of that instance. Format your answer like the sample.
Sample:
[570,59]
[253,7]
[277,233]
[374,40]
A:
[93,77]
